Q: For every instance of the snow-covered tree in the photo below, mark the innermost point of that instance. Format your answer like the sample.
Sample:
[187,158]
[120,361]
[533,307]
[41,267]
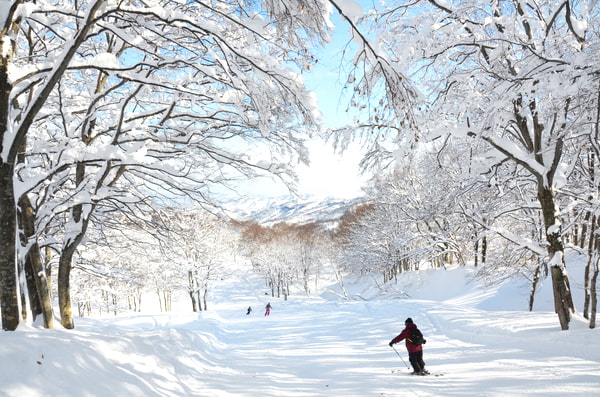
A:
[108,98]
[201,246]
[283,254]
[521,77]
[412,220]
[115,266]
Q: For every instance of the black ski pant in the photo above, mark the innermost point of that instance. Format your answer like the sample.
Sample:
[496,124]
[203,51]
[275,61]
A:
[416,360]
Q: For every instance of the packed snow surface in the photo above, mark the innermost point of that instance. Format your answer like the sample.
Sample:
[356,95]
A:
[483,341]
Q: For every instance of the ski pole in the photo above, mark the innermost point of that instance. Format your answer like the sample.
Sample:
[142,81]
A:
[400,356]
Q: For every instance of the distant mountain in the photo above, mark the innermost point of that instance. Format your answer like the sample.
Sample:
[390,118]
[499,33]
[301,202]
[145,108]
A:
[290,209]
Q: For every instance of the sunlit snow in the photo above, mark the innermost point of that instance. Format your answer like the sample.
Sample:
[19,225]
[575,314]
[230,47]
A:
[483,341]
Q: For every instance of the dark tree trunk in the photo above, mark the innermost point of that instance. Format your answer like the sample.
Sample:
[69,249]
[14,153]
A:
[23,288]
[9,300]
[593,295]
[65,262]
[194,303]
[484,246]
[563,301]
[592,247]
[534,285]
[37,283]
[192,287]
[32,291]
[64,285]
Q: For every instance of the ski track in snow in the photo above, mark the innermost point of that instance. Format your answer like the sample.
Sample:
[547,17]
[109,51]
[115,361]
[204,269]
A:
[306,347]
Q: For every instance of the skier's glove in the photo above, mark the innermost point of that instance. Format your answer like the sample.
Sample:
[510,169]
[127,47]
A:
[424,341]
[391,344]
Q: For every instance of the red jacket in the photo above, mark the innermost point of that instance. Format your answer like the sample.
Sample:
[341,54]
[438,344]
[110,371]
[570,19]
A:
[406,334]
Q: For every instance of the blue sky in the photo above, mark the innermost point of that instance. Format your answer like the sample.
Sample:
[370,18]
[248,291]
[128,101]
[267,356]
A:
[327,77]
[329,174]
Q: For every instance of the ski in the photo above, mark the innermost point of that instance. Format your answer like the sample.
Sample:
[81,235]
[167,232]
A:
[436,374]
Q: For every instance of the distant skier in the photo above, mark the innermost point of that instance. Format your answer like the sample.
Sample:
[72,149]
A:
[268,309]
[249,310]
[414,347]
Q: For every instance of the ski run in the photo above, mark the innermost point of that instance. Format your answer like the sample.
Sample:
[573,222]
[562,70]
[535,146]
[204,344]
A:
[482,339]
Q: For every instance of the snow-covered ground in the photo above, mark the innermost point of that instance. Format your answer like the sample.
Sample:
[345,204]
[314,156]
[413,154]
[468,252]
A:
[483,341]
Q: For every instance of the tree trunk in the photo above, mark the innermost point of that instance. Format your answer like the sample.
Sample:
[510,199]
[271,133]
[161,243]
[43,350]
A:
[139,300]
[191,288]
[563,301]
[34,267]
[48,255]
[534,285]
[584,229]
[587,291]
[194,303]
[35,304]
[65,262]
[483,250]
[167,294]
[160,304]
[592,259]
[115,303]
[560,287]
[64,285]
[593,295]
[9,300]
[23,288]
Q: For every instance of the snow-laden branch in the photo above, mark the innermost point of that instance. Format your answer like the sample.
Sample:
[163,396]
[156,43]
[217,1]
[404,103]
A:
[40,96]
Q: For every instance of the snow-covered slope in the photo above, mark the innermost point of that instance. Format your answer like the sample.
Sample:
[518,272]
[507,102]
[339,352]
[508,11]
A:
[479,339]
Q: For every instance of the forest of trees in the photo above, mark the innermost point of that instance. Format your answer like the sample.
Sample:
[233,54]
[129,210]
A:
[186,250]
[507,123]
[118,106]
[480,120]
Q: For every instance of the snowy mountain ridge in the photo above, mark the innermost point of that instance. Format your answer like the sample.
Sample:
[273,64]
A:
[290,209]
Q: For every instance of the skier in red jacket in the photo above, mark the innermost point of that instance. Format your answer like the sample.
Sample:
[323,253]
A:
[415,351]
